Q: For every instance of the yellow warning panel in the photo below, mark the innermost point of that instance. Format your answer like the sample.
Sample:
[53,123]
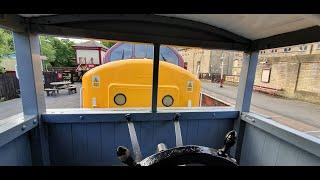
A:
[95,81]
[190,86]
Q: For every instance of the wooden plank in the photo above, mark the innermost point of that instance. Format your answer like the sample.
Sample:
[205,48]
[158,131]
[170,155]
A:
[108,148]
[287,155]
[96,143]
[208,133]
[16,153]
[297,138]
[244,160]
[264,149]
[79,143]
[192,132]
[60,144]
[147,141]
[308,159]
[269,151]
[244,95]
[94,153]
[23,150]
[164,133]
[254,145]
[8,154]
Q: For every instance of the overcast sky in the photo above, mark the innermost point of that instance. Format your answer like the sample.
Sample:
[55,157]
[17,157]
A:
[76,40]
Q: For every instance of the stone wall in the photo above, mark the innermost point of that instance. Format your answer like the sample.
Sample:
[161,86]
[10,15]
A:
[294,74]
[295,77]
[209,61]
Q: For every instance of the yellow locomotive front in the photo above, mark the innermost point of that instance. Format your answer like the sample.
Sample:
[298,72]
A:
[127,83]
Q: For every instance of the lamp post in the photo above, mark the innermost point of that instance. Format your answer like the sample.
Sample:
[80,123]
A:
[221,76]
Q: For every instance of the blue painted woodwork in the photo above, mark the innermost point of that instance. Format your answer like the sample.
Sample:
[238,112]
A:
[264,149]
[95,142]
[17,152]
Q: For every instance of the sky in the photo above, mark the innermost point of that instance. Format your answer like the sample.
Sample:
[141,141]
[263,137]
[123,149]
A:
[76,40]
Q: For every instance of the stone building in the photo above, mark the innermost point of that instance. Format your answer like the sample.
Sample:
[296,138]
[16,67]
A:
[204,61]
[292,72]
[196,59]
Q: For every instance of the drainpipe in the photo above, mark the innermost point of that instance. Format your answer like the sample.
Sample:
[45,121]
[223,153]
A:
[222,65]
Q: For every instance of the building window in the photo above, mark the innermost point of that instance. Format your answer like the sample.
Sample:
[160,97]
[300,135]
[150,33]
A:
[318,46]
[303,48]
[287,49]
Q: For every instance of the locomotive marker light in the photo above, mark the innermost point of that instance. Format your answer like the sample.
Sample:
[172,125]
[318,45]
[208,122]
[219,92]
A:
[167,100]
[94,102]
[120,99]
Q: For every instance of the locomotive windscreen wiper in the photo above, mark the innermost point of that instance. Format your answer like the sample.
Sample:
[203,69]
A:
[163,57]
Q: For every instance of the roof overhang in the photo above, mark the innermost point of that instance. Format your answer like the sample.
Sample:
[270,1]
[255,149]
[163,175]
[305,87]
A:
[245,32]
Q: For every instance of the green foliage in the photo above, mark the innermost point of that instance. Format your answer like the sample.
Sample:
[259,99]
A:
[108,44]
[65,54]
[47,50]
[59,52]
[6,43]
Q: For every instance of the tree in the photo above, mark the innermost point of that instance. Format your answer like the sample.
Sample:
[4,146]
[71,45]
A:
[108,44]
[6,43]
[59,53]
[65,54]
[47,50]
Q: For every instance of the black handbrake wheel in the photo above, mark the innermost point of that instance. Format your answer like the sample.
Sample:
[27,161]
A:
[185,155]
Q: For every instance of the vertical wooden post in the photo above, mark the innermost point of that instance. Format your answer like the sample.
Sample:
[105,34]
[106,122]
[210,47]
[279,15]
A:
[29,68]
[247,76]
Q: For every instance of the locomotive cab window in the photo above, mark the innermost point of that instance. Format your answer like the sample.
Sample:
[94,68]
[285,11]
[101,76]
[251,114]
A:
[124,51]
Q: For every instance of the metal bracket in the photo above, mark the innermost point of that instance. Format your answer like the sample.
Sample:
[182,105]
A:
[134,138]
[177,129]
